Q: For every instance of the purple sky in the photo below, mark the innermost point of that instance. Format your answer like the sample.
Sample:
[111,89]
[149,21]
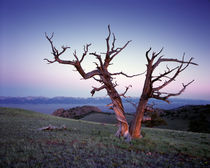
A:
[177,25]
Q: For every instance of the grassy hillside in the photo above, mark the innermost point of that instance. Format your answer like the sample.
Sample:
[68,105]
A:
[194,118]
[89,144]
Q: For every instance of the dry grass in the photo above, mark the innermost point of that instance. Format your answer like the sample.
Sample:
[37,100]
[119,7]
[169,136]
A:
[90,144]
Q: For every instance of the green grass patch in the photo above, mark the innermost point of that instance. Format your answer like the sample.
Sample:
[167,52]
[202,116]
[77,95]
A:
[91,144]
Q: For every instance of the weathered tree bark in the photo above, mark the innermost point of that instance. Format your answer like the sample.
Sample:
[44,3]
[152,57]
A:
[135,129]
[149,91]
[136,123]
[117,104]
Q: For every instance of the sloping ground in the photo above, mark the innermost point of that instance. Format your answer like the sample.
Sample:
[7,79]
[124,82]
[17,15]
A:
[195,118]
[89,144]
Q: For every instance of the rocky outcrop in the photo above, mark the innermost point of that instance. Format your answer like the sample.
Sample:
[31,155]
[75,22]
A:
[76,112]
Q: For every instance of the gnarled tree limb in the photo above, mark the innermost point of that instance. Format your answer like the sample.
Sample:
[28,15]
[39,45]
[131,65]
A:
[76,63]
[97,89]
[124,74]
[126,89]
[179,70]
[157,94]
[161,59]
[112,52]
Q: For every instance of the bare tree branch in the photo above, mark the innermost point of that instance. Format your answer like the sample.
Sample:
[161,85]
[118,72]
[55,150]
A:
[113,43]
[126,89]
[160,60]
[107,43]
[75,55]
[158,52]
[179,70]
[98,80]
[76,63]
[112,52]
[97,89]
[164,74]
[118,50]
[85,52]
[49,62]
[128,76]
[99,58]
[154,55]
[147,54]
[56,53]
[157,95]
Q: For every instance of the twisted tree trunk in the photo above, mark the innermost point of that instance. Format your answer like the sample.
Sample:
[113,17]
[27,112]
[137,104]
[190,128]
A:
[135,129]
[117,105]
[123,129]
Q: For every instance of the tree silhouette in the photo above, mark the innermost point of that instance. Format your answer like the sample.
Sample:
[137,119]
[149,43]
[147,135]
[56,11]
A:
[102,75]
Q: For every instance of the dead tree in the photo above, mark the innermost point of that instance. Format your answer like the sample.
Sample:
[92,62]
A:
[101,75]
[152,91]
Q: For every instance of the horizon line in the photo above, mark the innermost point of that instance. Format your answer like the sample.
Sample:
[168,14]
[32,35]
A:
[48,97]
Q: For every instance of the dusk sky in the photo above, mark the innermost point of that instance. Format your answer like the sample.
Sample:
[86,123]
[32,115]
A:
[177,25]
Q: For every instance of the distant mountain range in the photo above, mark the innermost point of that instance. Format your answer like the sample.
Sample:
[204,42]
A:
[99,100]
[54,100]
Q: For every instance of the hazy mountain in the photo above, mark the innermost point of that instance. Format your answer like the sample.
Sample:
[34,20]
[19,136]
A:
[54,100]
[99,100]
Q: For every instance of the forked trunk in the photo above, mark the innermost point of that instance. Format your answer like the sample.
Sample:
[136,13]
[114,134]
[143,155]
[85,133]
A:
[135,129]
[106,80]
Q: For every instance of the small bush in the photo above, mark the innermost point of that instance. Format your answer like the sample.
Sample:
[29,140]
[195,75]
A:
[156,120]
[199,124]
